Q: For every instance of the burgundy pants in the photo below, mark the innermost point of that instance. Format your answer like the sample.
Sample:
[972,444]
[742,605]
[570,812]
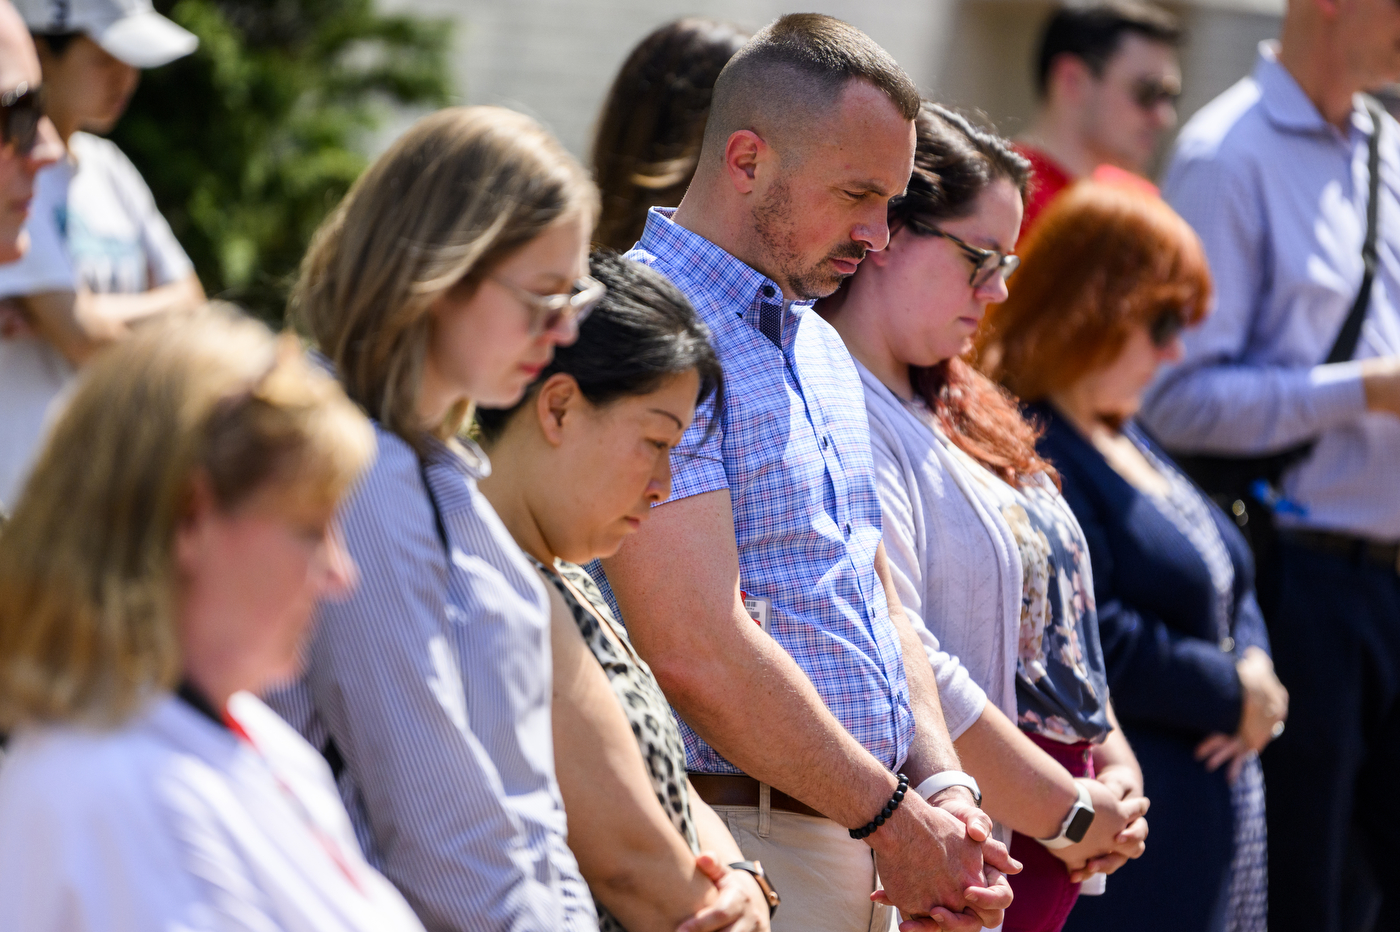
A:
[1043,894]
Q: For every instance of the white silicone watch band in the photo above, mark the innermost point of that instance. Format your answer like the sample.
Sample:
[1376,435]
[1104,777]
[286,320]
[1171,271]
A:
[941,781]
[1084,802]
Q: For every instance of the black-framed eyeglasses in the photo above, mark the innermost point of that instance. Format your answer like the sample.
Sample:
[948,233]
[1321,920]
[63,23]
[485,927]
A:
[985,262]
[1165,327]
[1151,93]
[552,311]
[21,109]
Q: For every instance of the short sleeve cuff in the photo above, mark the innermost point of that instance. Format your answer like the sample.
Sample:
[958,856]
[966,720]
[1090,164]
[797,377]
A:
[695,474]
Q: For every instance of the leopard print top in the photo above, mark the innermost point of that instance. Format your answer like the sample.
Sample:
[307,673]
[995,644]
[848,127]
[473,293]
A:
[641,697]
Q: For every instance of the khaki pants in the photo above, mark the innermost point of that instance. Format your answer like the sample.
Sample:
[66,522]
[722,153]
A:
[824,876]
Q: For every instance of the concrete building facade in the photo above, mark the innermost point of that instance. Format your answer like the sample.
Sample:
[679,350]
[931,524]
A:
[555,59]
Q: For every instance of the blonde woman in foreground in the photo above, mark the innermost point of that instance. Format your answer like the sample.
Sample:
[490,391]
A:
[160,567]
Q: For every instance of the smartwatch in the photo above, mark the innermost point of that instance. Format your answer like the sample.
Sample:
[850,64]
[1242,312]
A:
[941,781]
[756,869]
[1076,824]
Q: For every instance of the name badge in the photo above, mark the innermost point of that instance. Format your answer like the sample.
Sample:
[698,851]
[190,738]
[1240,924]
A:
[758,609]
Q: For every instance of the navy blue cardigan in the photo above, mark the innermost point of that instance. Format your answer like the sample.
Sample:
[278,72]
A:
[1166,666]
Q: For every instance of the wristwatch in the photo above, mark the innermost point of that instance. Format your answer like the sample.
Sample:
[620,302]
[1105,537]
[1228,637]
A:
[1076,824]
[769,894]
[941,781]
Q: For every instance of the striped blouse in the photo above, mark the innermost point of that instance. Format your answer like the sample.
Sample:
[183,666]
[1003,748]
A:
[431,683]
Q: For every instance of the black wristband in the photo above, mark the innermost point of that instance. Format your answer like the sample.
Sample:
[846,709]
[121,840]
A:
[869,828]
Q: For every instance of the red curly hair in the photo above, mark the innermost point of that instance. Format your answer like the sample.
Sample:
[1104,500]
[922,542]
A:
[1101,260]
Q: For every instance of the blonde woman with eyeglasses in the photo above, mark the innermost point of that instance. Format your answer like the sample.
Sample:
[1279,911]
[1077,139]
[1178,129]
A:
[160,568]
[446,278]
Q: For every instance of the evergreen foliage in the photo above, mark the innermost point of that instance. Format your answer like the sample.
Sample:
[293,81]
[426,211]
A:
[250,141]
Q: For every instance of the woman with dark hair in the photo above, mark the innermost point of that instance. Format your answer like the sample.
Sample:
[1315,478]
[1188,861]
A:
[579,462]
[1111,277]
[649,133]
[989,564]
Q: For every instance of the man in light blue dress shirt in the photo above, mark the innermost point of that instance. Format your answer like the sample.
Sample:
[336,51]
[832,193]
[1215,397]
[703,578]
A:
[810,135]
[1274,177]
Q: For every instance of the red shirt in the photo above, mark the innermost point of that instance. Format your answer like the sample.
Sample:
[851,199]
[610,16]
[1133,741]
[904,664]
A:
[1048,179]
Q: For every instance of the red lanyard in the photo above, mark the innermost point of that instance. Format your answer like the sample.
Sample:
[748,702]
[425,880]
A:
[327,842]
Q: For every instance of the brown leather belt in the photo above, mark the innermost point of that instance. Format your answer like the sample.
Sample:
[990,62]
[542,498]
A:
[722,789]
[1357,549]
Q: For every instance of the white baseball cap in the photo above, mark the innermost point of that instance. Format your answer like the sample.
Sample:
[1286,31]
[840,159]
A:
[129,30]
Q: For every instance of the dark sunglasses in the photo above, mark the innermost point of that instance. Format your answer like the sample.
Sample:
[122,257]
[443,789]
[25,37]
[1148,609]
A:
[1151,93]
[985,262]
[20,112]
[1165,327]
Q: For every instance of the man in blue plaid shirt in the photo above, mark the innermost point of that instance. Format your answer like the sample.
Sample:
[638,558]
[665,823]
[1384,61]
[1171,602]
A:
[795,730]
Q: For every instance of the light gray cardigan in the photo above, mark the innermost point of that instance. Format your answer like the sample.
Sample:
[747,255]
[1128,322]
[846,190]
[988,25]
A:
[956,566]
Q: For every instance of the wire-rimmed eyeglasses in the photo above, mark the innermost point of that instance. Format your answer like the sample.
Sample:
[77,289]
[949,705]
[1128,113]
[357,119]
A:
[552,311]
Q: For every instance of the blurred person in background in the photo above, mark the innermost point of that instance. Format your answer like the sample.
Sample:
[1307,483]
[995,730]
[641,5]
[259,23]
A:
[1107,78]
[102,257]
[988,562]
[812,730]
[28,141]
[1273,175]
[446,276]
[161,567]
[577,465]
[653,119]
[1108,280]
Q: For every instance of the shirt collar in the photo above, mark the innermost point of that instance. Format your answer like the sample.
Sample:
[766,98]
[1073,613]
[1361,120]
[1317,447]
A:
[732,284]
[1286,104]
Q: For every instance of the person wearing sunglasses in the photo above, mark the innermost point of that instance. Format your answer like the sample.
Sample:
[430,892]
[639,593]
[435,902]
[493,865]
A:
[102,257]
[1107,79]
[27,138]
[445,278]
[984,553]
[1109,280]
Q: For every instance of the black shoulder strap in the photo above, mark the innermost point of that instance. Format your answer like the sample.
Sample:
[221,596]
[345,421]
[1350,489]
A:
[437,512]
[1344,347]
[331,751]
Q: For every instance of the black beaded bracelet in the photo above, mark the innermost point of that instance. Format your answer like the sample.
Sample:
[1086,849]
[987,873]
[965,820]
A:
[885,813]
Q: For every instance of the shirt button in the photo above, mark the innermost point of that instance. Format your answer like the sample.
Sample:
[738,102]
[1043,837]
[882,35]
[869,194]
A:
[848,529]
[826,442]
[768,291]
[1227,644]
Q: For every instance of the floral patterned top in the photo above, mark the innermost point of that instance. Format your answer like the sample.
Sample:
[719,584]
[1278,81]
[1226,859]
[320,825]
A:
[1061,684]
[641,698]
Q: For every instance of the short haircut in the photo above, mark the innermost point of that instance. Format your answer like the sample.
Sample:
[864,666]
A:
[641,333]
[1093,32]
[460,192]
[792,73]
[649,134]
[1100,260]
[88,578]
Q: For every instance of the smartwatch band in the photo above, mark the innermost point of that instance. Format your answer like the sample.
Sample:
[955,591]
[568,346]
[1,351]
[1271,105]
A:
[941,781]
[1076,824]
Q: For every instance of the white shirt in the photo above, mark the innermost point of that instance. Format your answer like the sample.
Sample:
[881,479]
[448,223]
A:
[173,823]
[93,222]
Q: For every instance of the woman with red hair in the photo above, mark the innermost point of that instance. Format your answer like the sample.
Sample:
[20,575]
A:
[987,560]
[1108,280]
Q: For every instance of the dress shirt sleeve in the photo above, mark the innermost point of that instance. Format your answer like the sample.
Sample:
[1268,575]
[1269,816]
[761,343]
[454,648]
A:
[961,698]
[1155,673]
[1216,401]
[386,681]
[697,463]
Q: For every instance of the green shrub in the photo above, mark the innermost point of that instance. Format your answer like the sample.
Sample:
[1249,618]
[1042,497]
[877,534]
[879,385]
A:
[250,141]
